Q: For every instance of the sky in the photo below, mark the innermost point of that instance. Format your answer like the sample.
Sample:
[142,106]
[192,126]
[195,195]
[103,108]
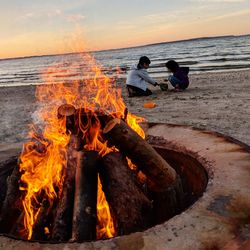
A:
[41,27]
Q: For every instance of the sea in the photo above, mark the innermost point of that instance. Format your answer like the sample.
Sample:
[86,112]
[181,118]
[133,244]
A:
[212,54]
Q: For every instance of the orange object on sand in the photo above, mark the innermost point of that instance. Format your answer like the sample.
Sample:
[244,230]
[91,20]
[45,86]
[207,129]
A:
[149,105]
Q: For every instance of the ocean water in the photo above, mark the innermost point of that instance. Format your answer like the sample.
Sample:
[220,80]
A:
[201,55]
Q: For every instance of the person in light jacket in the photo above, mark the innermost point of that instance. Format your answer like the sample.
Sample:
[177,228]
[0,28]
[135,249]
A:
[138,79]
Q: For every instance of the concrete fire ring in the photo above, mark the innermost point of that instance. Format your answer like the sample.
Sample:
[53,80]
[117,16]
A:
[220,219]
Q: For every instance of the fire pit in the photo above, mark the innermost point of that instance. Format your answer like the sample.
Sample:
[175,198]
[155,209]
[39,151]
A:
[91,177]
[215,205]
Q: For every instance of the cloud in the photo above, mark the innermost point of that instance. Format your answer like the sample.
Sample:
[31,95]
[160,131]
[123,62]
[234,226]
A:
[230,15]
[28,15]
[74,18]
[172,17]
[32,15]
[53,14]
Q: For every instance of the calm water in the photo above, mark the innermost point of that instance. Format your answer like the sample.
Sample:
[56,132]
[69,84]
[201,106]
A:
[213,54]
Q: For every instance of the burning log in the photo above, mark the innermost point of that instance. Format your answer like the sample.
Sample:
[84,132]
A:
[84,215]
[63,220]
[11,208]
[42,221]
[142,154]
[89,118]
[129,206]
[81,117]
[67,111]
[87,124]
[83,123]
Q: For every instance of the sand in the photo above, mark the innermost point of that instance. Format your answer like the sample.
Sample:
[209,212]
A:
[214,101]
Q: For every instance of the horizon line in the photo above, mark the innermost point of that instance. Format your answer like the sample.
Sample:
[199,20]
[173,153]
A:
[122,48]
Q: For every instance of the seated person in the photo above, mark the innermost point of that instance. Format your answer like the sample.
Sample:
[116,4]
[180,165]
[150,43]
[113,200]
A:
[179,80]
[138,79]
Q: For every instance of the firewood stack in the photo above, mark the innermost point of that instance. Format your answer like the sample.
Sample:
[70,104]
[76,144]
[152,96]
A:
[73,216]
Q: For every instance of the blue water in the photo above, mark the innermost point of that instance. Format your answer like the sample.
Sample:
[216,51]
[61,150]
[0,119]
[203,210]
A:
[207,54]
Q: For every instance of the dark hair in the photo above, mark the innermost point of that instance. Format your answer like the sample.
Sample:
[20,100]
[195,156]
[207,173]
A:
[142,60]
[172,65]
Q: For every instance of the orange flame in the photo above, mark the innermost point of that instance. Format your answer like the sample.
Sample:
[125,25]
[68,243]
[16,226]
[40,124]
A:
[44,158]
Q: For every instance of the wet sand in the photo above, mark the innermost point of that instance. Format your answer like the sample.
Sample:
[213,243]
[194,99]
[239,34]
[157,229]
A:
[214,101]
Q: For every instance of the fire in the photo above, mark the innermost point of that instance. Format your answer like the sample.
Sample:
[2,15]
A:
[44,158]
[105,227]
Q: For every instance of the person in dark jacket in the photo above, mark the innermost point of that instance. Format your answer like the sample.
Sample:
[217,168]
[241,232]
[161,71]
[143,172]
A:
[179,80]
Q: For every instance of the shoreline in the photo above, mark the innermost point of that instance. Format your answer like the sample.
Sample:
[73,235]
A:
[123,77]
[217,101]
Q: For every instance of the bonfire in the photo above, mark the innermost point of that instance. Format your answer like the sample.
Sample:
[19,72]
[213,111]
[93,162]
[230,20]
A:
[85,163]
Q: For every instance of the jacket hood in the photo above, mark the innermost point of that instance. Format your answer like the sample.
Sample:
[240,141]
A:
[134,67]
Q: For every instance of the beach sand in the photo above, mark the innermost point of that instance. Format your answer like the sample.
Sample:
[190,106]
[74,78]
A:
[214,101]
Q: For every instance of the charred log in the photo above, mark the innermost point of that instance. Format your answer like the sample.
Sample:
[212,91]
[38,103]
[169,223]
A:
[18,229]
[62,227]
[6,168]
[168,203]
[12,207]
[129,206]
[84,215]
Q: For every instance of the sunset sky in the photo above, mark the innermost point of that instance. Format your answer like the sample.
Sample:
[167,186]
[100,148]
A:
[38,27]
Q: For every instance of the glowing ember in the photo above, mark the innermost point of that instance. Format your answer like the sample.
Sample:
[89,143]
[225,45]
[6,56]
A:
[44,158]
